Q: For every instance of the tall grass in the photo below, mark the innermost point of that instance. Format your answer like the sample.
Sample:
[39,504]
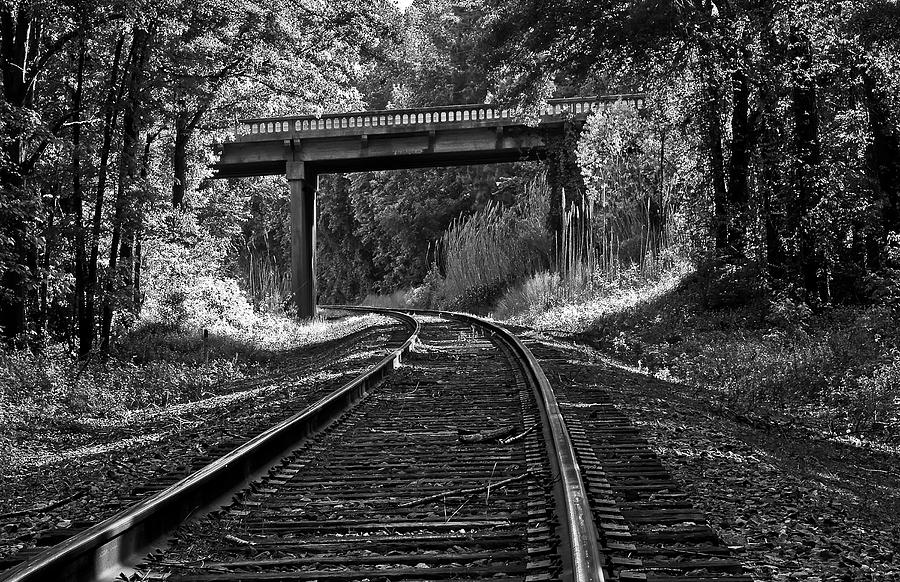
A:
[504,250]
[626,223]
[595,251]
[496,246]
[268,285]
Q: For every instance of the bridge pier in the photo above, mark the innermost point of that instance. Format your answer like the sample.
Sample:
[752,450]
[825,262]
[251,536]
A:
[303,188]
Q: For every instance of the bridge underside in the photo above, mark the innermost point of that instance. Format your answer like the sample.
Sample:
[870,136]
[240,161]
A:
[385,150]
[301,161]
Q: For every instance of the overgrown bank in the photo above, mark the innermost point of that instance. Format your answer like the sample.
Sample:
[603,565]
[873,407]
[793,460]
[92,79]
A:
[834,370]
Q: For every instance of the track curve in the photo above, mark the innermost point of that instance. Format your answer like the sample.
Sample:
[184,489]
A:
[364,491]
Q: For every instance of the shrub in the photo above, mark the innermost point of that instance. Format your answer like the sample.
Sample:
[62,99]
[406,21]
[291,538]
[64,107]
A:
[873,400]
[535,294]
[430,294]
[393,300]
[477,298]
[787,313]
[154,366]
[205,302]
[731,284]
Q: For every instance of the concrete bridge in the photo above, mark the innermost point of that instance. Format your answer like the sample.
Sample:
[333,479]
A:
[301,148]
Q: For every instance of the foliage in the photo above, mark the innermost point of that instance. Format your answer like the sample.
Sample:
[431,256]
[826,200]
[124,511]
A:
[546,300]
[536,294]
[155,366]
[378,230]
[770,360]
[109,114]
[789,113]
[768,153]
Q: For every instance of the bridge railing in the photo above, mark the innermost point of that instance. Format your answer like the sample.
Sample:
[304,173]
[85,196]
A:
[428,117]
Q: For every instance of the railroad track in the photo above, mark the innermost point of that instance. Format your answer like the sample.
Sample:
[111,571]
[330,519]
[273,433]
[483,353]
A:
[442,473]
[648,528]
[458,466]
[308,375]
[89,554]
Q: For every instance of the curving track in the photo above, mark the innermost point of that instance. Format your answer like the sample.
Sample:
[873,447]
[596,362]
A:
[458,466]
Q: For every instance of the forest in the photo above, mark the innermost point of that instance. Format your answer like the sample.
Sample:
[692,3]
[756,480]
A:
[754,198]
[724,260]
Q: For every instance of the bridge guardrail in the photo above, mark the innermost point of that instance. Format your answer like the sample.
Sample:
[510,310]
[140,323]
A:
[310,125]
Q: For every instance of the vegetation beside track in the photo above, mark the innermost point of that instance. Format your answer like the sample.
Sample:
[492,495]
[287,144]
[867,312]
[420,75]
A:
[834,371]
[77,447]
[789,506]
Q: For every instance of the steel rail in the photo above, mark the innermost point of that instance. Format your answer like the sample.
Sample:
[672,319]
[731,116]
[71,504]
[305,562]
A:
[101,549]
[583,562]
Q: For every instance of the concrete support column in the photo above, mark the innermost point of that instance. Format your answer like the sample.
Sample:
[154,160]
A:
[303,238]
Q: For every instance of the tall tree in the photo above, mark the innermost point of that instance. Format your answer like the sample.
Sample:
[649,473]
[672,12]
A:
[87,331]
[28,44]
[126,204]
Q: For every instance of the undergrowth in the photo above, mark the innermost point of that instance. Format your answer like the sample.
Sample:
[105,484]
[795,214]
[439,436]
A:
[767,359]
[186,346]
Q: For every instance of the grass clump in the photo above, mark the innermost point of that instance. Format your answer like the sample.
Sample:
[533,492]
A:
[493,248]
[480,255]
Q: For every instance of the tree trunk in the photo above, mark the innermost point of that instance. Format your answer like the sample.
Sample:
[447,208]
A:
[804,107]
[738,166]
[137,298]
[14,291]
[770,150]
[15,28]
[78,196]
[179,158]
[883,166]
[120,245]
[86,329]
[40,317]
[553,222]
[711,111]
[655,224]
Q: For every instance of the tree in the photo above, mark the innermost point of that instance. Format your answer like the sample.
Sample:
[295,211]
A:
[28,45]
[776,94]
[107,105]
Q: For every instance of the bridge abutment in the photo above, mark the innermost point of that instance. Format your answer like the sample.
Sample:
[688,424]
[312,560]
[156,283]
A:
[303,185]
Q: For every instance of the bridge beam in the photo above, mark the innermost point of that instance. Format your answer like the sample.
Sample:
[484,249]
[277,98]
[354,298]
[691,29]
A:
[303,186]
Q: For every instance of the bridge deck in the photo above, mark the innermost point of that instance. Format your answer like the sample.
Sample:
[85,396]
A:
[400,138]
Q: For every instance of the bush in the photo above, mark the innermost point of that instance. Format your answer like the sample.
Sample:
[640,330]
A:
[430,294]
[477,299]
[731,284]
[205,302]
[397,299]
[787,313]
[533,295]
[872,400]
[154,366]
